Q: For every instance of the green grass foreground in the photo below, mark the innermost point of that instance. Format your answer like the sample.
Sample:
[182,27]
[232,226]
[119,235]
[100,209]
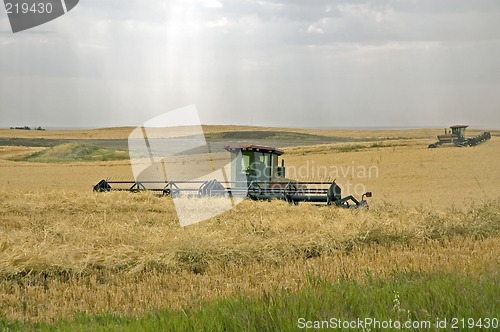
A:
[471,304]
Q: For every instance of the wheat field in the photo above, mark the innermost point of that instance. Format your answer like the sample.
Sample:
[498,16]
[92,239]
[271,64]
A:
[66,250]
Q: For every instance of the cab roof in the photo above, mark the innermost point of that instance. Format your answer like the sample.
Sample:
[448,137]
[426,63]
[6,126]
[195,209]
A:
[256,148]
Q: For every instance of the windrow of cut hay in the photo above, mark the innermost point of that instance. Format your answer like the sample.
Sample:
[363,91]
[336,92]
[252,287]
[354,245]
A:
[74,232]
[63,253]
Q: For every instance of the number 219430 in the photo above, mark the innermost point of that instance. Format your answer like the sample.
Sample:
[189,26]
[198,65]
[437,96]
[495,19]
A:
[24,8]
[487,323]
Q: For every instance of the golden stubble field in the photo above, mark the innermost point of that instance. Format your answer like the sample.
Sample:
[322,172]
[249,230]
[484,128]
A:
[411,174]
[397,171]
[65,249]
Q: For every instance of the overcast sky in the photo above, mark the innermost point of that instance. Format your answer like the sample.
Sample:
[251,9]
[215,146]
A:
[301,63]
